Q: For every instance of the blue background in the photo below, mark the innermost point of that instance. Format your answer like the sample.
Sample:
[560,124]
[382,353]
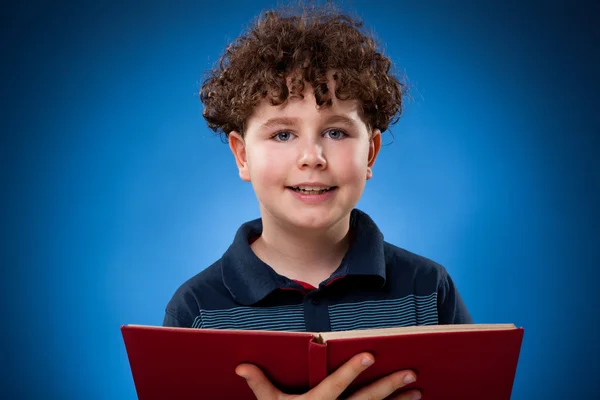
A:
[115,192]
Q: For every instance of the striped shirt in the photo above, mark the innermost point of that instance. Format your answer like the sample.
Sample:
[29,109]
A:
[377,285]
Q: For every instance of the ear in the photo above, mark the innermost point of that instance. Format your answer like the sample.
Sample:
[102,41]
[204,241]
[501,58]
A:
[238,148]
[374,146]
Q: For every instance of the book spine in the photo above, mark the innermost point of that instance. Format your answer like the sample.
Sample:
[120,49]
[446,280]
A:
[317,363]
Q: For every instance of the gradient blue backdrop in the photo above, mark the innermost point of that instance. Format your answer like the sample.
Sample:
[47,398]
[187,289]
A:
[115,192]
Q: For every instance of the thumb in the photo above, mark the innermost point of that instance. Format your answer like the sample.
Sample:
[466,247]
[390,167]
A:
[257,381]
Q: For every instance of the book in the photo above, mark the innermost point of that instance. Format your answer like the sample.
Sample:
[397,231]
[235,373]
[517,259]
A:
[475,361]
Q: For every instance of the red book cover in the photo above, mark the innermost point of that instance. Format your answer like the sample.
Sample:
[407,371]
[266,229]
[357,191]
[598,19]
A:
[181,363]
[459,361]
[449,365]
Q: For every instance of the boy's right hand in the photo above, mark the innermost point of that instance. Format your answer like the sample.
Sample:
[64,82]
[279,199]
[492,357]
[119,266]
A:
[335,384]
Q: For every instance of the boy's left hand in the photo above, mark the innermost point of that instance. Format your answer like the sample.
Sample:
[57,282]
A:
[332,386]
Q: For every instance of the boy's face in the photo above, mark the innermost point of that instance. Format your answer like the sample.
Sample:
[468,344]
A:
[308,166]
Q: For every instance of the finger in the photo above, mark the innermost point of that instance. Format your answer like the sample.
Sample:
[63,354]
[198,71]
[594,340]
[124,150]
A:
[410,395]
[335,384]
[385,386]
[261,386]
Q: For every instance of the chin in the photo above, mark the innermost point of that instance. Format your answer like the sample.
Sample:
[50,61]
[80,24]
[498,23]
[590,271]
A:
[316,218]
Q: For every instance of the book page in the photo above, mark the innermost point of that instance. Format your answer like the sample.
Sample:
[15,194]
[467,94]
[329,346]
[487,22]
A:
[411,330]
[250,332]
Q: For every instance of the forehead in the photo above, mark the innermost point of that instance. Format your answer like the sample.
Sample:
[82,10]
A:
[306,110]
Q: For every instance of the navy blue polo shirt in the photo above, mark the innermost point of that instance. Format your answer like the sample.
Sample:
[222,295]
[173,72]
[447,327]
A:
[377,285]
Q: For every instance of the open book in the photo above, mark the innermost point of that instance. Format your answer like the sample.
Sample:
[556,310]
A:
[476,361]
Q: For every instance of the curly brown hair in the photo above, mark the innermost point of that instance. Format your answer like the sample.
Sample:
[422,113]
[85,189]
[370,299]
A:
[285,48]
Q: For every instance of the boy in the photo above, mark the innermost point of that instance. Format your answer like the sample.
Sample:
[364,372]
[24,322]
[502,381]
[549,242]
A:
[302,100]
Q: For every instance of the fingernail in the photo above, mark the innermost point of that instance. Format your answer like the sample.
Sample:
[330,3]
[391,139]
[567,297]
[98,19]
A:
[409,379]
[242,376]
[416,396]
[367,361]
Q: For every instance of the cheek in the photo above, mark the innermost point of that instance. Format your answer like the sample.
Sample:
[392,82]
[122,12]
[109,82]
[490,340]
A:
[267,164]
[351,163]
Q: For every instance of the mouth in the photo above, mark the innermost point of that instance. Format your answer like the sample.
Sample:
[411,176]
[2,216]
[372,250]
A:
[311,189]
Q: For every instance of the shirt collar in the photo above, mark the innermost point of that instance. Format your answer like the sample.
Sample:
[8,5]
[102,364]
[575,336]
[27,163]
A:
[249,280]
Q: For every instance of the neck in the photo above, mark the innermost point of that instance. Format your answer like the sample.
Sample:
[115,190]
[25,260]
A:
[307,255]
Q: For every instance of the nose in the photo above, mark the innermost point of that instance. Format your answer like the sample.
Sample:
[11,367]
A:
[312,156]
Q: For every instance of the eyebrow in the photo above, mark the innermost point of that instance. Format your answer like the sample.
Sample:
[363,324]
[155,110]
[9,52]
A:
[287,121]
[337,119]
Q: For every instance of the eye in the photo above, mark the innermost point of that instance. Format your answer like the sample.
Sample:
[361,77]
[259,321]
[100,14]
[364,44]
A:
[282,136]
[335,134]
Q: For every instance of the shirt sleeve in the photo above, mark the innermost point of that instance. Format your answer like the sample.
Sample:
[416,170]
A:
[182,310]
[171,320]
[451,307]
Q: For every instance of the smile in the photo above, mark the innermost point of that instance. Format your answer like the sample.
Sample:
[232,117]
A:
[311,189]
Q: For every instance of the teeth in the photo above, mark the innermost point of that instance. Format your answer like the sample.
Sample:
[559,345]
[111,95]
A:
[311,189]
[314,188]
